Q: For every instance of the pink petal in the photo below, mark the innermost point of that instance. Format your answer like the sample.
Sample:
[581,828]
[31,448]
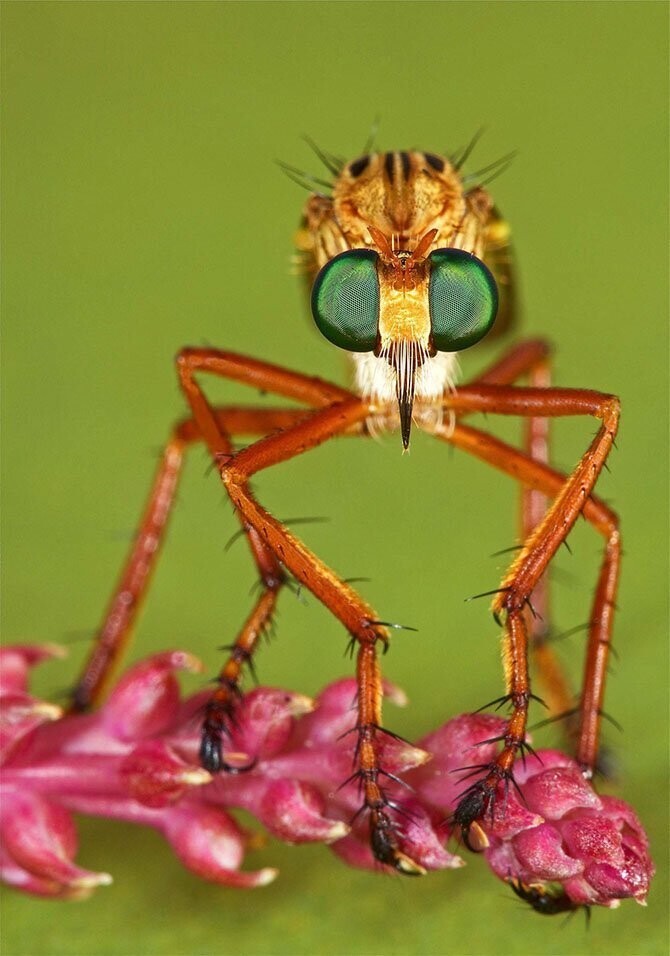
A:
[398,756]
[418,839]
[510,817]
[265,720]
[209,842]
[627,822]
[593,838]
[421,840]
[542,760]
[334,714]
[156,777]
[354,850]
[40,838]
[146,699]
[541,855]
[136,760]
[619,882]
[294,812]
[456,746]
[460,740]
[581,892]
[20,879]
[20,715]
[501,858]
[558,790]
[17,660]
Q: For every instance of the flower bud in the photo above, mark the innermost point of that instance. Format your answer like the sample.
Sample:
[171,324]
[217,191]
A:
[156,777]
[146,699]
[209,842]
[294,812]
[39,838]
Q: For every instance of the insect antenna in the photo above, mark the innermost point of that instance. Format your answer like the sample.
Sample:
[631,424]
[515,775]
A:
[496,169]
[372,136]
[332,163]
[302,178]
[458,159]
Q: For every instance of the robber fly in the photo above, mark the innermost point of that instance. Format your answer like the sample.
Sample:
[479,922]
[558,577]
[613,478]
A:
[408,261]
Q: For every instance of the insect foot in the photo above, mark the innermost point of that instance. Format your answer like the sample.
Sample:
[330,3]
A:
[548,900]
[218,725]
[384,843]
[475,803]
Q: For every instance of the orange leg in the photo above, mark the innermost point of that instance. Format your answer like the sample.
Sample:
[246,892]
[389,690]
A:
[531,563]
[215,428]
[220,708]
[116,629]
[528,359]
[119,619]
[531,359]
[535,475]
[342,415]
[518,361]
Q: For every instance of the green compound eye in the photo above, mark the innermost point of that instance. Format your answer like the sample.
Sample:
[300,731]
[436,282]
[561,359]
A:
[345,300]
[463,299]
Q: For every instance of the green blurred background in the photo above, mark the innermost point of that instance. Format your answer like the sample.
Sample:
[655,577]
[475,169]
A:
[143,211]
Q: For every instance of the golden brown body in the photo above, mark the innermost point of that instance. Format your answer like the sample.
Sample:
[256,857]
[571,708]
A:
[403,197]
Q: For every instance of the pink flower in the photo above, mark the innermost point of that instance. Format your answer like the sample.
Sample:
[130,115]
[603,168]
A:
[136,759]
[130,761]
[549,827]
